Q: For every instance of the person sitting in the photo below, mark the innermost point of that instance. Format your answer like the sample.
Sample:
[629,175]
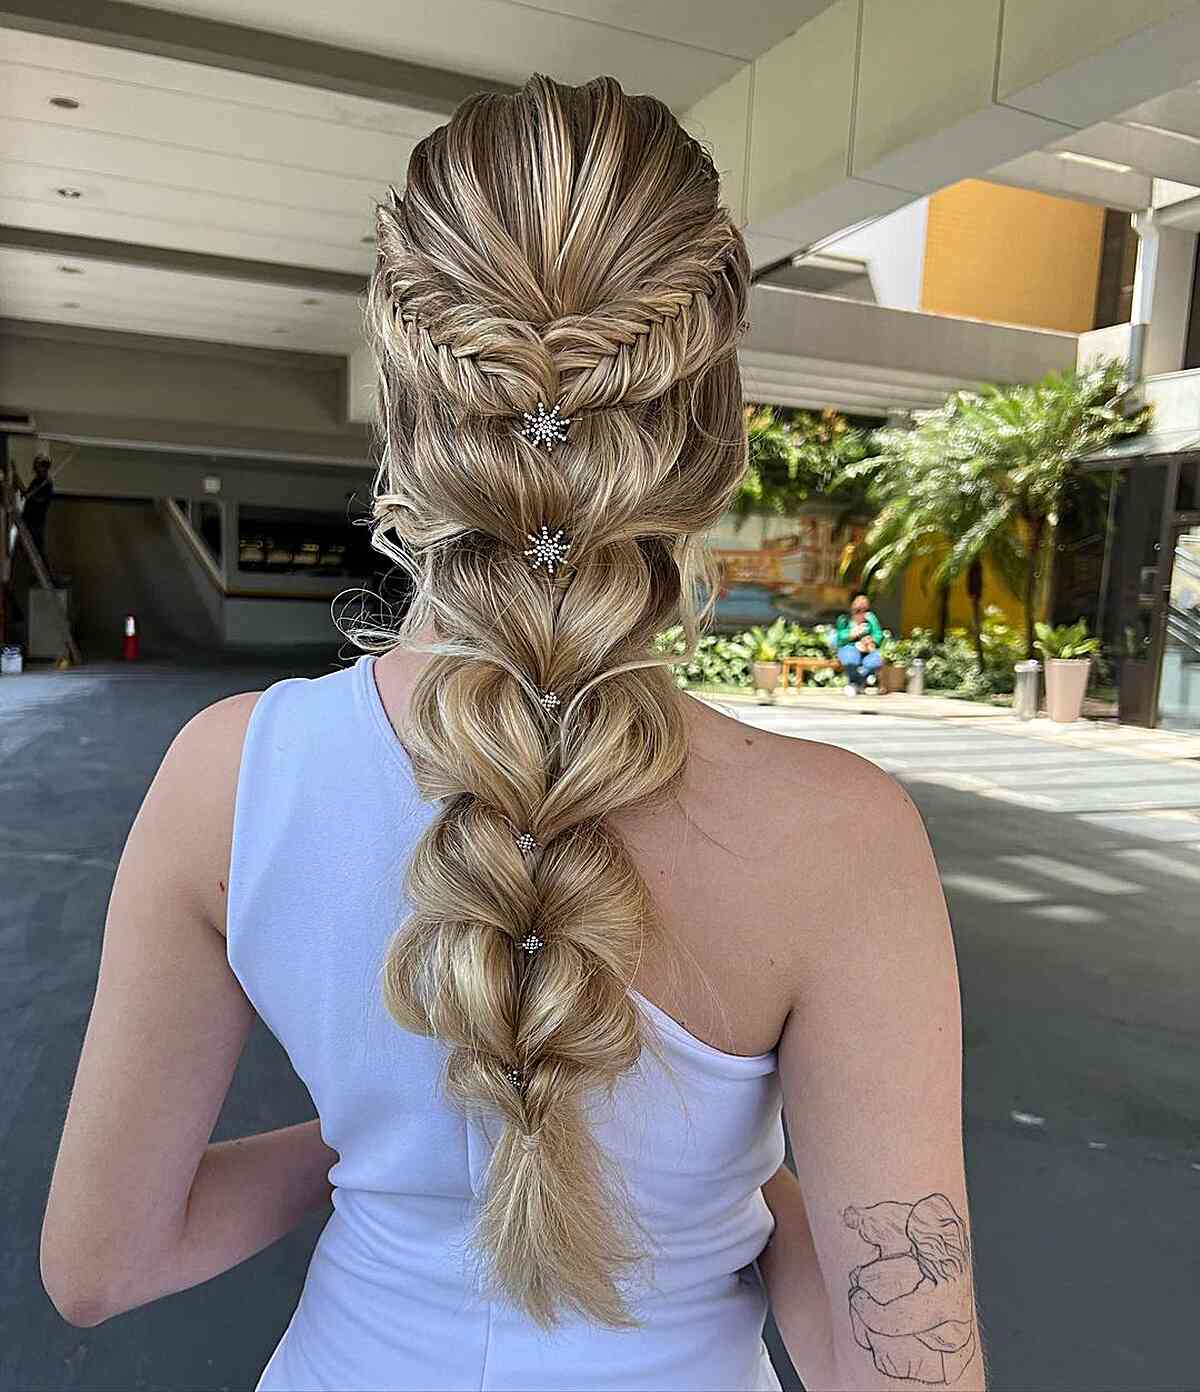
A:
[859,636]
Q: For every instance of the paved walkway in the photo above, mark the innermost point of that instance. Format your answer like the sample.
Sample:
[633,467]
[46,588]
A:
[1072,876]
[1096,735]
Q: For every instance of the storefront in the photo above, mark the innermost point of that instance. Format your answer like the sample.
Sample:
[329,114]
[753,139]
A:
[1138,583]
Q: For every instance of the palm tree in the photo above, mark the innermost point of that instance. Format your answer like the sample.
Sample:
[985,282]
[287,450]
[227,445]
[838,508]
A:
[1024,441]
[937,502]
[793,459]
[986,477]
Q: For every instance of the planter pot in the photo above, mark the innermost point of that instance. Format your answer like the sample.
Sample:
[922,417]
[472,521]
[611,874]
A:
[765,676]
[1066,681]
[892,677]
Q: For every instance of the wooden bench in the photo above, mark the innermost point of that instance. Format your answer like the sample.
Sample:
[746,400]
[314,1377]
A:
[801,665]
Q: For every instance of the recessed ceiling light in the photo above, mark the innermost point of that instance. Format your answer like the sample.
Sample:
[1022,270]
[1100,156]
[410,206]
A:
[71,270]
[1096,163]
[70,304]
[66,103]
[67,192]
[1163,130]
[310,299]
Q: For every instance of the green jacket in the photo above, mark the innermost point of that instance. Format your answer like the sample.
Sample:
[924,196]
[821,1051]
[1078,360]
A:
[844,624]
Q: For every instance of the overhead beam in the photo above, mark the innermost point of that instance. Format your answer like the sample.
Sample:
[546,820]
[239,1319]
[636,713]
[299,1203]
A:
[173,259]
[828,128]
[237,48]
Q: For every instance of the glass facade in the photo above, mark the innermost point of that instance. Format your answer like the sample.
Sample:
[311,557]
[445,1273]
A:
[1138,583]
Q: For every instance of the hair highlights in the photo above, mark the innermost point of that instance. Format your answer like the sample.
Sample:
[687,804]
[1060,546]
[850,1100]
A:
[564,246]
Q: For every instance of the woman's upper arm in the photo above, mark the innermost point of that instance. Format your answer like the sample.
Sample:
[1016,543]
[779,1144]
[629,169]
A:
[168,1023]
[871,1066]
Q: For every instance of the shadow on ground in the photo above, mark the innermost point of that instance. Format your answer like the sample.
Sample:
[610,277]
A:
[1082,1015]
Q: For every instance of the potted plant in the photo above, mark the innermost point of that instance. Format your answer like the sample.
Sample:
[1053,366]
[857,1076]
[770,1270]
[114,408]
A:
[1068,652]
[760,647]
[893,675]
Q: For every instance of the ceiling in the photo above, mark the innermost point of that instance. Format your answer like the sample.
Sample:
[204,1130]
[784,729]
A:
[1117,162]
[210,171]
[206,196]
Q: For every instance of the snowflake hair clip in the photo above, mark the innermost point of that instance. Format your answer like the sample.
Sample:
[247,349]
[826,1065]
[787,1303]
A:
[544,427]
[532,942]
[545,549]
[526,843]
[549,701]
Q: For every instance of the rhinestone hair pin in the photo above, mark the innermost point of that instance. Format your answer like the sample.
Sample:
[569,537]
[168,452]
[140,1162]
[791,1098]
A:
[526,843]
[546,548]
[545,427]
[514,1076]
[549,701]
[531,942]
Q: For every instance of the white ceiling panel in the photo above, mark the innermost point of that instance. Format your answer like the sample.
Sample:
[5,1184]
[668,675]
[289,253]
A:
[56,57]
[188,123]
[509,41]
[138,299]
[744,31]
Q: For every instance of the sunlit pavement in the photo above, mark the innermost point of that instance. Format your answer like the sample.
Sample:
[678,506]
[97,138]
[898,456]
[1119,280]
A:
[1072,872]
[1072,876]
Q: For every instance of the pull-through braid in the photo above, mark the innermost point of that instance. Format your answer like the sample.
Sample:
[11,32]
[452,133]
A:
[563,245]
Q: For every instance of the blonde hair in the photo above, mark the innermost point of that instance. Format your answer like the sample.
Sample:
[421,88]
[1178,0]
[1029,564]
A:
[562,245]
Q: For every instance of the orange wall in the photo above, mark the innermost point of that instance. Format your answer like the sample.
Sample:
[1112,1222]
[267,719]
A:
[1012,256]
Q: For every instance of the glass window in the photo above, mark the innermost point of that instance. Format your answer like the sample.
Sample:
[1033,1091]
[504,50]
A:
[1129,587]
[294,541]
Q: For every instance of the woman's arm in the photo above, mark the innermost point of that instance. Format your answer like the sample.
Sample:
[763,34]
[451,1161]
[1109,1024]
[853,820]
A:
[870,1061]
[795,1285]
[140,1204]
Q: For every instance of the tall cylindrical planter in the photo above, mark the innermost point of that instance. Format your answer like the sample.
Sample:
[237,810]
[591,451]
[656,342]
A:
[1066,681]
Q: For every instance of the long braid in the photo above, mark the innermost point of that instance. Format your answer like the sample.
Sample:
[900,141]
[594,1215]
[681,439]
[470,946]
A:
[563,246]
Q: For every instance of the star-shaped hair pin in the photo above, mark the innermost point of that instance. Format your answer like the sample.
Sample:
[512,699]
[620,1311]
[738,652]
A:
[546,548]
[544,427]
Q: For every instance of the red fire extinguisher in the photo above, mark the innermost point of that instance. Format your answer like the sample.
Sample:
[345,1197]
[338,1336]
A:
[131,639]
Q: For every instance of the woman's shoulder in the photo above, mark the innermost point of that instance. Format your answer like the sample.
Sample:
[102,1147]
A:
[804,807]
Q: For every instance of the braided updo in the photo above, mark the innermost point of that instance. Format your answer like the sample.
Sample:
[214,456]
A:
[565,246]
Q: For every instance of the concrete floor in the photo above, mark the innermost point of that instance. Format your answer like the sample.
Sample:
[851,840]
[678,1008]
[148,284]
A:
[1072,876]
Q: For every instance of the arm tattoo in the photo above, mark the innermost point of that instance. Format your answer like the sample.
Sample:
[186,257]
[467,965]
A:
[912,1305]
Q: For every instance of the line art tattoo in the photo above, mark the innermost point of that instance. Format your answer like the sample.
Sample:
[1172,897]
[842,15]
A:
[912,1305]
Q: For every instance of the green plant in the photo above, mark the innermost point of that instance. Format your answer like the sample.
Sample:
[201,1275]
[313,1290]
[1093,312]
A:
[1065,641]
[987,477]
[762,644]
[796,455]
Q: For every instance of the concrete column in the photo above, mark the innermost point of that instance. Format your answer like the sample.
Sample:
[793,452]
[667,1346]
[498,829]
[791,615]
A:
[1162,296]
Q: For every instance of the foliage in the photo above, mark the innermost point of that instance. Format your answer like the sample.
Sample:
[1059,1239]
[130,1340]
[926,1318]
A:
[762,644]
[794,456]
[951,667]
[722,661]
[1066,641]
[987,477]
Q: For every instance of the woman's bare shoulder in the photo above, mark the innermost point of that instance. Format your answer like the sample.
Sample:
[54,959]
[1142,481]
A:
[192,798]
[842,837]
[806,777]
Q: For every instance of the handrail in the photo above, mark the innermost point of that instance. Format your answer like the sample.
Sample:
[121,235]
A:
[176,518]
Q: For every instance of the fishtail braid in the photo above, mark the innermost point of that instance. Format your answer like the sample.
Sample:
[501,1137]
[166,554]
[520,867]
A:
[562,246]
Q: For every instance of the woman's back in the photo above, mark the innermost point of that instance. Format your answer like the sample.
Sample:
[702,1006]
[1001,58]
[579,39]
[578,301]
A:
[446,943]
[327,811]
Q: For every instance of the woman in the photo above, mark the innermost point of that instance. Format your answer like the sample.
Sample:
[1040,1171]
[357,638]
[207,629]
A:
[509,834]
[858,640]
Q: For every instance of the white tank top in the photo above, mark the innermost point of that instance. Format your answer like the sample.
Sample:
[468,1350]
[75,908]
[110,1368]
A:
[327,813]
